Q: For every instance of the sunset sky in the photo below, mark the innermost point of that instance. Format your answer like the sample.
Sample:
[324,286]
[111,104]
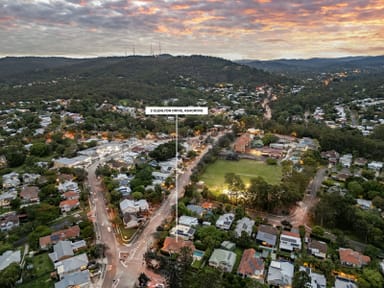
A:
[233,29]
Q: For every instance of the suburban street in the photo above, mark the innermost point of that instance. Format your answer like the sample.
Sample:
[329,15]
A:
[103,227]
[300,214]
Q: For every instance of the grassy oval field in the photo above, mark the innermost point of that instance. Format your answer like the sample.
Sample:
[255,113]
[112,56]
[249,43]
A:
[213,176]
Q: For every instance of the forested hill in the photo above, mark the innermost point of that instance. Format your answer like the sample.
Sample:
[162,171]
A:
[138,77]
[14,67]
[318,65]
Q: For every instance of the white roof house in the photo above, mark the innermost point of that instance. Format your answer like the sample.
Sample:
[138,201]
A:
[225,221]
[245,224]
[160,176]
[68,186]
[344,283]
[290,241]
[11,180]
[375,165]
[183,231]
[223,259]
[364,204]
[131,206]
[9,257]
[346,160]
[188,221]
[77,161]
[280,273]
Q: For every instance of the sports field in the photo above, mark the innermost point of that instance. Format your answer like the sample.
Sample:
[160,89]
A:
[213,176]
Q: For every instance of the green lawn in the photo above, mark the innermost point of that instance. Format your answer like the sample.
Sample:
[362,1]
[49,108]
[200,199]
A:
[39,276]
[126,233]
[246,169]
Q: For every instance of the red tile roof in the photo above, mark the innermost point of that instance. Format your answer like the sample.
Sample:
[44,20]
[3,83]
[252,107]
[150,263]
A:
[69,233]
[250,263]
[289,233]
[351,257]
[71,194]
[70,203]
[172,246]
[207,205]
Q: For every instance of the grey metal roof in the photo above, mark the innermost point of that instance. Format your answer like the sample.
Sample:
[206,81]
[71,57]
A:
[73,279]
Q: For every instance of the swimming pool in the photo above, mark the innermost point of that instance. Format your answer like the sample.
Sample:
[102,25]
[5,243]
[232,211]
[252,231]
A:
[198,254]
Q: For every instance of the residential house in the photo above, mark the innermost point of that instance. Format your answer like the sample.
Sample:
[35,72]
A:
[361,162]
[68,186]
[195,209]
[307,143]
[345,283]
[160,176]
[317,280]
[353,258]
[78,245]
[228,245]
[63,177]
[9,257]
[70,265]
[317,248]
[11,180]
[70,233]
[267,236]
[78,279]
[30,178]
[70,195]
[124,190]
[68,205]
[242,144]
[30,194]
[167,166]
[78,161]
[251,265]
[207,206]
[257,143]
[130,220]
[290,241]
[332,156]
[375,165]
[8,221]
[188,221]
[131,206]
[183,231]
[61,250]
[364,204]
[225,221]
[244,225]
[7,197]
[171,245]
[280,273]
[346,160]
[222,259]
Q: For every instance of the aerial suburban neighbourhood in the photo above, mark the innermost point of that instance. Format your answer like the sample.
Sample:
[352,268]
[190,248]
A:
[274,187]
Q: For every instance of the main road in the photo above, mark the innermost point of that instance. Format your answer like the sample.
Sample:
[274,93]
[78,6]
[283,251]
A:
[103,228]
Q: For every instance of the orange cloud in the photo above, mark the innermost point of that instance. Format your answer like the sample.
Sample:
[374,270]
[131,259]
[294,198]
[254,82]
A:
[180,6]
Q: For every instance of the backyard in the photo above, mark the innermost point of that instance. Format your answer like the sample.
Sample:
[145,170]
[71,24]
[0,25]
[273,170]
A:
[214,175]
[38,275]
